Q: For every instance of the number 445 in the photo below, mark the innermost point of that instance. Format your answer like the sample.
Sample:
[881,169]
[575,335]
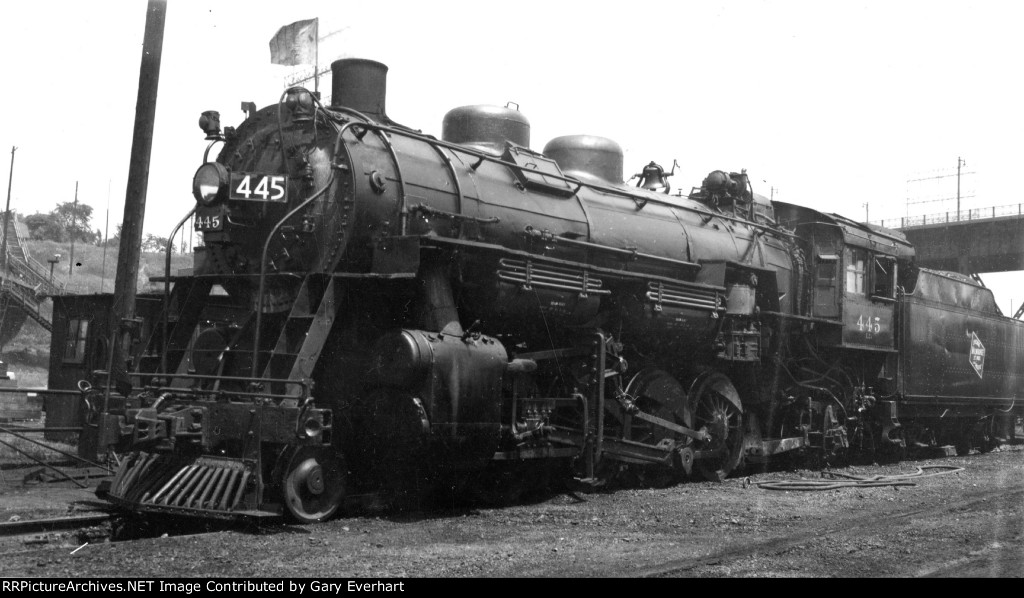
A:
[869,324]
[267,187]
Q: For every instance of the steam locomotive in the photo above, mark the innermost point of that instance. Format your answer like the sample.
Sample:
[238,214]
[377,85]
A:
[378,311]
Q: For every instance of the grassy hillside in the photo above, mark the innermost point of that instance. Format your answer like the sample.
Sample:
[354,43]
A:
[92,272]
[28,354]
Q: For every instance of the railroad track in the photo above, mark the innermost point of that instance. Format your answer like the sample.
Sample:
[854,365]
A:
[37,526]
[32,536]
[37,536]
[873,522]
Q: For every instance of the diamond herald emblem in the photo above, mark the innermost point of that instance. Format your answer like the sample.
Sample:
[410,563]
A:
[977,356]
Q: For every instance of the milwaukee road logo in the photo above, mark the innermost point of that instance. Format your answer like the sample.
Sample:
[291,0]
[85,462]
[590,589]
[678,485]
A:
[977,356]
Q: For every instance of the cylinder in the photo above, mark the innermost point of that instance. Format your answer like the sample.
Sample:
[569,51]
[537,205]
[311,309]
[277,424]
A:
[401,359]
[485,128]
[359,84]
[588,155]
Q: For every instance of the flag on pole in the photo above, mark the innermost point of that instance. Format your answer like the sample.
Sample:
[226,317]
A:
[295,44]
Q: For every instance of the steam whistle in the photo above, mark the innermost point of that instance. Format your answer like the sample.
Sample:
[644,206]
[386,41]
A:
[653,177]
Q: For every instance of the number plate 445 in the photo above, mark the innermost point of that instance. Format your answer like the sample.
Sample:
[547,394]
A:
[208,222]
[258,187]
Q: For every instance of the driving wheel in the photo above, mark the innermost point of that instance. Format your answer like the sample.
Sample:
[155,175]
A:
[658,393]
[716,414]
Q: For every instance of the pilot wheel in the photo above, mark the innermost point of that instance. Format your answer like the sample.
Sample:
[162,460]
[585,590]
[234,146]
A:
[314,486]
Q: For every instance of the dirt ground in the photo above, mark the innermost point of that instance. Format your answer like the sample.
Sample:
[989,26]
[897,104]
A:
[968,523]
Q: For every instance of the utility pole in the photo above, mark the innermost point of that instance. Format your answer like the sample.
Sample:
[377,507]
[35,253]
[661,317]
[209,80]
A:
[74,211]
[959,162]
[7,213]
[942,196]
[316,58]
[106,229]
[135,194]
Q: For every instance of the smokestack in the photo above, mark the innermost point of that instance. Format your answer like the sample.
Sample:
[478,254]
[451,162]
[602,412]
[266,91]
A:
[361,85]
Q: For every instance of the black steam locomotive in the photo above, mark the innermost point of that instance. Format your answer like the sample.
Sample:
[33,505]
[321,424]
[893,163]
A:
[377,311]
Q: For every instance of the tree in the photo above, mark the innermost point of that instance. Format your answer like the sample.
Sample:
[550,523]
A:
[45,227]
[154,243]
[65,222]
[75,220]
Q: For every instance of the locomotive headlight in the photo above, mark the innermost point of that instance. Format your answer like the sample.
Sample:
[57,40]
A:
[210,183]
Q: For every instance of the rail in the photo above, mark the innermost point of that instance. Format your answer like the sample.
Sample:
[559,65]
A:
[28,526]
[953,217]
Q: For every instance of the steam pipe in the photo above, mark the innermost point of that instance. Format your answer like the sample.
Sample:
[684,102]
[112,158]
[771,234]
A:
[167,286]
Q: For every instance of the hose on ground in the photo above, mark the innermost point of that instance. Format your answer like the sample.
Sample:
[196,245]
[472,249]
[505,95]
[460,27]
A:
[836,481]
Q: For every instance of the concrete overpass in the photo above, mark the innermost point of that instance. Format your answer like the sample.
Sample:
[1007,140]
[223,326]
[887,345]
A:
[971,242]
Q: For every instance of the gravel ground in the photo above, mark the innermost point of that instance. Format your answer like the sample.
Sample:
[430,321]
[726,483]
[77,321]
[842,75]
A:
[969,523]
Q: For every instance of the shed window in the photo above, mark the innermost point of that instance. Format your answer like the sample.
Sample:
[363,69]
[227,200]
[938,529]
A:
[74,342]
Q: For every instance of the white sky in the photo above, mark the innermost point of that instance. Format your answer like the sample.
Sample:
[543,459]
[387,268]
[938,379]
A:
[834,104]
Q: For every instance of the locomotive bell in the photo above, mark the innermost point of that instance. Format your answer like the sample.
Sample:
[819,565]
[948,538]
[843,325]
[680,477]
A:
[653,178]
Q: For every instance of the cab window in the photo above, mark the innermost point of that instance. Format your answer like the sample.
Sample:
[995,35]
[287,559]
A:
[826,273]
[883,277]
[855,270]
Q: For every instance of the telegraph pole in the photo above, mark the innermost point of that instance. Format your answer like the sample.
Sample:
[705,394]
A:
[943,198]
[106,229]
[74,211]
[7,213]
[138,181]
[959,162]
